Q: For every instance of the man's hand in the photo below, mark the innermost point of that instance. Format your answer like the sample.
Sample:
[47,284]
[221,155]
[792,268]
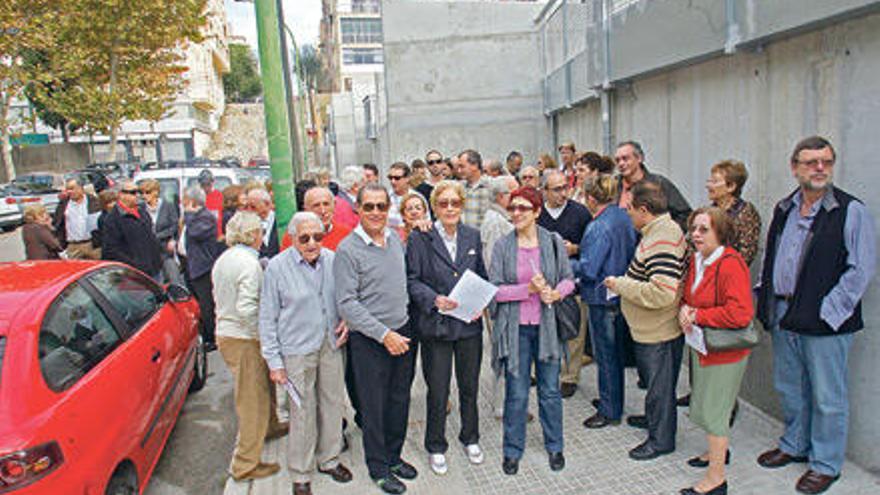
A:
[686,317]
[443,303]
[341,333]
[395,343]
[571,249]
[278,376]
[610,283]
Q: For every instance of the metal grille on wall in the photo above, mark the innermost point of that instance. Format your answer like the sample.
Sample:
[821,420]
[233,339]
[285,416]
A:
[566,54]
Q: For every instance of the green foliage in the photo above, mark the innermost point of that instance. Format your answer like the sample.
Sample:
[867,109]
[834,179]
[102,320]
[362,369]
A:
[243,82]
[310,66]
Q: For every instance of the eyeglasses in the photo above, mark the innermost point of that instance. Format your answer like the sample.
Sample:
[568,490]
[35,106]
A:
[529,176]
[396,177]
[435,162]
[519,208]
[129,191]
[369,207]
[305,238]
[815,163]
[699,228]
[446,203]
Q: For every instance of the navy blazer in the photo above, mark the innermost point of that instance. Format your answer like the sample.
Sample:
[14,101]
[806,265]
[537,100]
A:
[431,272]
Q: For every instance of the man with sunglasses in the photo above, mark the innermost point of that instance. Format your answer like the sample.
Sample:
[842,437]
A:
[398,177]
[569,219]
[371,295]
[436,173]
[476,189]
[128,234]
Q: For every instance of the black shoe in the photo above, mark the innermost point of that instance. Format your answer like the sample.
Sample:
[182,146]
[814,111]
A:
[404,470]
[567,389]
[718,490]
[390,484]
[638,421]
[697,462]
[557,461]
[210,346]
[683,401]
[646,452]
[595,403]
[510,466]
[597,421]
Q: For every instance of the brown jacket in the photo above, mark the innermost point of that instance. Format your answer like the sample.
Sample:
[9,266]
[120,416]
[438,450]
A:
[39,242]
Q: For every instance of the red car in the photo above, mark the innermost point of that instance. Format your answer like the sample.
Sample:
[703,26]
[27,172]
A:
[95,363]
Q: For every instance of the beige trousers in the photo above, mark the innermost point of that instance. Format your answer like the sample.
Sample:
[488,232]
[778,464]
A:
[571,371]
[83,251]
[254,400]
[315,438]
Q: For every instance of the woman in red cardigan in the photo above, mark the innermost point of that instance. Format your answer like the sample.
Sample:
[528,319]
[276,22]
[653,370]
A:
[717,294]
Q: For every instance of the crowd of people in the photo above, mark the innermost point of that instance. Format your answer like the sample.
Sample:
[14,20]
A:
[359,285]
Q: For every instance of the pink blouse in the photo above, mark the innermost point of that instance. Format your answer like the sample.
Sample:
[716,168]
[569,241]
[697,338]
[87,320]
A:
[527,260]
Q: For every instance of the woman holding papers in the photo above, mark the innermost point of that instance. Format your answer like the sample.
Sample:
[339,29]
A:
[606,249]
[435,261]
[532,271]
[717,294]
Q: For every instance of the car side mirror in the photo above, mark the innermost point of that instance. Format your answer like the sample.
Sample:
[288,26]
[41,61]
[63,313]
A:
[178,293]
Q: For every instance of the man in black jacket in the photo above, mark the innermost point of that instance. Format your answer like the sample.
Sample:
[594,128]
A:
[128,236]
[202,250]
[630,164]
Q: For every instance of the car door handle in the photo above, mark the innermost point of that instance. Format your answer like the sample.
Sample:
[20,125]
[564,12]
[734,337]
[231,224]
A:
[156,355]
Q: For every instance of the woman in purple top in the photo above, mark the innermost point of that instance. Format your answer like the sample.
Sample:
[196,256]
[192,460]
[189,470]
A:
[531,269]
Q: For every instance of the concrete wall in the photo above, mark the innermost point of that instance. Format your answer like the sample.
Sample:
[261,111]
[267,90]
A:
[754,106]
[462,75]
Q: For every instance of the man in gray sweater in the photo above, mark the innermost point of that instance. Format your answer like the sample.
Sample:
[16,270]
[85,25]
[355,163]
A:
[371,297]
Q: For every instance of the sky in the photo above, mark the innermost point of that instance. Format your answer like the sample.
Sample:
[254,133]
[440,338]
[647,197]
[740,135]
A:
[303,18]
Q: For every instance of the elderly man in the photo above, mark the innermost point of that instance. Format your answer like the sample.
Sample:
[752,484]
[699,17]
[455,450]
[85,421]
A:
[494,168]
[260,202]
[436,173]
[237,278]
[530,176]
[630,160]
[300,336]
[371,294]
[128,235]
[476,189]
[514,162]
[569,219]
[75,220]
[814,313]
[320,201]
[202,250]
[350,182]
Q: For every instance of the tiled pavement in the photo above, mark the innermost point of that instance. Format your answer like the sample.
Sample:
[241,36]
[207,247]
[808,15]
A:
[596,460]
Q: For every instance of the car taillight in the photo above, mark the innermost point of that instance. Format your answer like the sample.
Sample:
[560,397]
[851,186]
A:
[30,200]
[11,201]
[24,467]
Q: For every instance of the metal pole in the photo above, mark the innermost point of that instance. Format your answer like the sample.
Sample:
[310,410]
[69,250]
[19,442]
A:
[276,104]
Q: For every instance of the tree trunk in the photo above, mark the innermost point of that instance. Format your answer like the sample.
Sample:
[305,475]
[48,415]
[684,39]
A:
[65,132]
[114,138]
[114,131]
[5,138]
[314,135]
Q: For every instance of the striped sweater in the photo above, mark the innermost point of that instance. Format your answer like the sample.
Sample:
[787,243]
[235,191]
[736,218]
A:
[649,291]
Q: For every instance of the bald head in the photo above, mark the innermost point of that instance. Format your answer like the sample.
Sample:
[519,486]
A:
[320,201]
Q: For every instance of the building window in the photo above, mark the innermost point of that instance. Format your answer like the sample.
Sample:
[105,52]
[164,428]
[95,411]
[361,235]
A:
[361,30]
[365,6]
[362,56]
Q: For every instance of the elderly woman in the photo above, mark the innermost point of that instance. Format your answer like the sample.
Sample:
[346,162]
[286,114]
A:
[717,294]
[530,176]
[414,211]
[435,260]
[301,334]
[237,279]
[166,226]
[606,249]
[532,271]
[725,187]
[234,199]
[38,235]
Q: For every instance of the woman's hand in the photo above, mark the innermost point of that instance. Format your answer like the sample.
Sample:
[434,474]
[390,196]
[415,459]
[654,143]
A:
[686,317]
[537,283]
[550,296]
[443,303]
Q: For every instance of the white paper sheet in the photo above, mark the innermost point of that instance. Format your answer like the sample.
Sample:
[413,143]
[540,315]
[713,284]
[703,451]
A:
[696,340]
[610,294]
[293,393]
[472,294]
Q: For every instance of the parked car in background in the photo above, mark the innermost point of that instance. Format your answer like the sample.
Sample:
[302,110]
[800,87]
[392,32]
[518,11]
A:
[96,361]
[261,173]
[117,170]
[96,178]
[258,161]
[10,210]
[175,177]
[45,187]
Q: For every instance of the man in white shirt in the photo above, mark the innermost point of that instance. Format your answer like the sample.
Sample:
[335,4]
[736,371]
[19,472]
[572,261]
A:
[75,219]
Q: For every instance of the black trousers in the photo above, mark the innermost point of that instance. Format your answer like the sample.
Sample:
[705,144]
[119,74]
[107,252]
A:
[351,389]
[659,364]
[437,358]
[383,388]
[203,289]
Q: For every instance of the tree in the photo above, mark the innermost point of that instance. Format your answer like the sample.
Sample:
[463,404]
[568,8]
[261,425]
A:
[310,71]
[40,92]
[122,60]
[243,82]
[25,25]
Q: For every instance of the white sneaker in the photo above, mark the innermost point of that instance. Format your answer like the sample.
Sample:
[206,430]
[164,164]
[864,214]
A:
[474,453]
[438,463]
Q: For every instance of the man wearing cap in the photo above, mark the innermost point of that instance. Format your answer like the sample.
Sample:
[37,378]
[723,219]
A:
[213,198]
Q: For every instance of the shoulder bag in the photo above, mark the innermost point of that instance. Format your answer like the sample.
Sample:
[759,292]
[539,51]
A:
[730,339]
[568,312]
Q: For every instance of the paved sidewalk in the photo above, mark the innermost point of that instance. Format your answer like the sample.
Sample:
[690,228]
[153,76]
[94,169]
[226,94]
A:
[596,460]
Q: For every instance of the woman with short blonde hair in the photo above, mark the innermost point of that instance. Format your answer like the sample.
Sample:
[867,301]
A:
[442,186]
[40,242]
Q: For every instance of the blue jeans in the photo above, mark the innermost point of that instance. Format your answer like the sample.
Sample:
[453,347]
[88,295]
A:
[607,329]
[810,374]
[516,400]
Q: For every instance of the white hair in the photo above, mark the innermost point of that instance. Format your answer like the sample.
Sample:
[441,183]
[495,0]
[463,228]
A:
[261,194]
[243,228]
[302,217]
[352,175]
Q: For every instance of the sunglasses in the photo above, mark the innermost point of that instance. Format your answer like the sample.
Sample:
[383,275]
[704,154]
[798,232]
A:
[446,203]
[435,162]
[396,177]
[129,191]
[369,207]
[519,208]
[529,176]
[305,238]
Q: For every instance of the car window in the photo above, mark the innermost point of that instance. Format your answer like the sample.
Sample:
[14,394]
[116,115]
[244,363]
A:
[2,353]
[220,182]
[132,296]
[76,335]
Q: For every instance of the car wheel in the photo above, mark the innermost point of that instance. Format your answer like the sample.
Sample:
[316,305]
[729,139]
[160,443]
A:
[201,367]
[123,481]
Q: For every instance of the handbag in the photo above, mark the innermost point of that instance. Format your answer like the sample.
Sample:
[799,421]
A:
[568,312]
[730,339]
